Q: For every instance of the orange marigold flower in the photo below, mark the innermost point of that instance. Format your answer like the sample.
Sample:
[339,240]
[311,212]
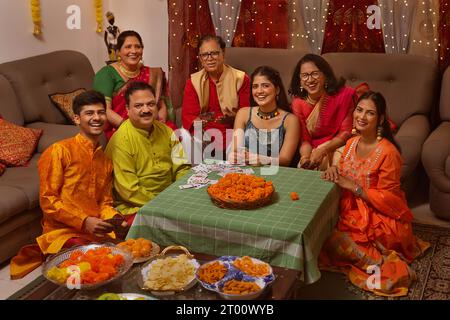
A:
[294,196]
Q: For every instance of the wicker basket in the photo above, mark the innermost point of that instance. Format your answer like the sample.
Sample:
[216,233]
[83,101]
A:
[241,205]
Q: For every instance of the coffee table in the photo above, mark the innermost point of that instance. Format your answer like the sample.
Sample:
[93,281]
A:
[282,288]
[286,233]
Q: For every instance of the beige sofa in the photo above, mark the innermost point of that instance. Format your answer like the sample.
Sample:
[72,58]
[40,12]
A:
[409,84]
[24,88]
[436,156]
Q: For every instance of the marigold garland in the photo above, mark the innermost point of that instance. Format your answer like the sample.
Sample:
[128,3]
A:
[36,16]
[99,14]
[241,187]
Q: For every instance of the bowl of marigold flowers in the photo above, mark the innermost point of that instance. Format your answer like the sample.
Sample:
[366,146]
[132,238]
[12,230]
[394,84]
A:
[241,191]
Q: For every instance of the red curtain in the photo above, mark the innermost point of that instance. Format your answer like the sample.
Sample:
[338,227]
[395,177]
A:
[444,34]
[346,29]
[188,22]
[262,24]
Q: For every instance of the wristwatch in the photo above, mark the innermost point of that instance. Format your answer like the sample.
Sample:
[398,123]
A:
[358,191]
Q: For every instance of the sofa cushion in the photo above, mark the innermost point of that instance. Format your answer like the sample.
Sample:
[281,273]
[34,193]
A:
[12,202]
[17,144]
[53,133]
[64,102]
[9,105]
[25,179]
[403,96]
[34,78]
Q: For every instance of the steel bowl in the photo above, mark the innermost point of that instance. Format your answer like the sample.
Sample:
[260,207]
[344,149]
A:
[57,259]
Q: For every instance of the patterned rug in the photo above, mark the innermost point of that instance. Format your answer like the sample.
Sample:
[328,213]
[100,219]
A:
[432,269]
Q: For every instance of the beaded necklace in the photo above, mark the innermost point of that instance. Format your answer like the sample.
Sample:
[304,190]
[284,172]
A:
[267,115]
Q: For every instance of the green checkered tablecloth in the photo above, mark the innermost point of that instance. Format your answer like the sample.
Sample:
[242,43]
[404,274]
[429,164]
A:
[286,233]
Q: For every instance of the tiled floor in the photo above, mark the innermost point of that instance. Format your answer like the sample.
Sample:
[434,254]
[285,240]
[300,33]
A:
[422,214]
[8,287]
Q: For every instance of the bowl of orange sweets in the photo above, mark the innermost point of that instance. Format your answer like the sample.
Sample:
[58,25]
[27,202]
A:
[233,277]
[141,249]
[241,191]
[87,267]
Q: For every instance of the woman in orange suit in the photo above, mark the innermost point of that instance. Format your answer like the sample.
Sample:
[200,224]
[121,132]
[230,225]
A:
[373,242]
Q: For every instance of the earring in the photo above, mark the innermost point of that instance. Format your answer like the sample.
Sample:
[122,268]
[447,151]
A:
[301,89]
[379,133]
[326,85]
[354,131]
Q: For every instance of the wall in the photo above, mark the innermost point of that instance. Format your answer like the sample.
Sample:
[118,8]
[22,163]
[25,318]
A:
[149,18]
[18,41]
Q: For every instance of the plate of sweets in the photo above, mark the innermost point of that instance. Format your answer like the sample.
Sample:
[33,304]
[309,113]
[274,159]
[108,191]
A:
[235,277]
[241,287]
[141,249]
[169,273]
[241,191]
[87,267]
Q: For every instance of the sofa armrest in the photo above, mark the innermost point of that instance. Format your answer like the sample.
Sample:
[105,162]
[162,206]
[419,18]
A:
[411,135]
[436,157]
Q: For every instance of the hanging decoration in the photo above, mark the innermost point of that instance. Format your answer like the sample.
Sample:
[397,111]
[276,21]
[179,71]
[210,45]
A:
[99,15]
[36,16]
[262,24]
[346,29]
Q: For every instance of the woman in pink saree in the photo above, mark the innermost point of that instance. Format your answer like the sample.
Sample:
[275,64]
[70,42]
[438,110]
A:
[324,106]
[113,80]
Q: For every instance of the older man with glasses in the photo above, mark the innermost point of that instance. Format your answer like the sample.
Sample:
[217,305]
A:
[213,95]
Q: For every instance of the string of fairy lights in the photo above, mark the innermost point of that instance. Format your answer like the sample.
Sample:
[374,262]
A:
[426,15]
[423,31]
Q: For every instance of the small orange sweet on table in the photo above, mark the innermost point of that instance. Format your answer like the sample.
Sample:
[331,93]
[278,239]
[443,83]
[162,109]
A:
[240,287]
[247,265]
[212,272]
[137,247]
[294,196]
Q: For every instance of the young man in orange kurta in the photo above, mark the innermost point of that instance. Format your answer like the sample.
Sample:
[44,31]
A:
[75,188]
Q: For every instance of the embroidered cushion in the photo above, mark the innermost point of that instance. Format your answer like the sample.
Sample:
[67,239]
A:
[64,102]
[17,144]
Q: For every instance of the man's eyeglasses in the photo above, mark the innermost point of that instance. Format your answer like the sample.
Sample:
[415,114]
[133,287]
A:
[212,54]
[305,76]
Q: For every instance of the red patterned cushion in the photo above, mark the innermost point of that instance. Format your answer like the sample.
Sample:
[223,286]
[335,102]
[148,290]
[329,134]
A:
[17,144]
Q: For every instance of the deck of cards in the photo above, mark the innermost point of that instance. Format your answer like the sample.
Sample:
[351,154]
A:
[200,177]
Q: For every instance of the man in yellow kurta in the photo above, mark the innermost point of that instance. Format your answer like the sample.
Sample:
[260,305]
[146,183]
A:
[75,188]
[146,154]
